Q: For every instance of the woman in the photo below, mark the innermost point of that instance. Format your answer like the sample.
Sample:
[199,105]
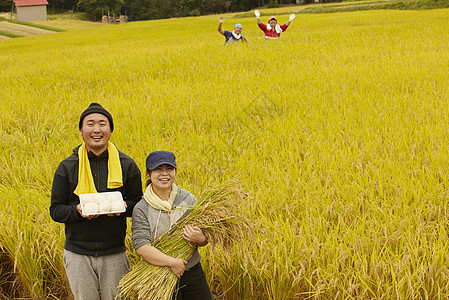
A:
[162,205]
[272,30]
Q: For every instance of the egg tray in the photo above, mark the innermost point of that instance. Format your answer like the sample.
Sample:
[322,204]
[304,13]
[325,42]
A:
[98,198]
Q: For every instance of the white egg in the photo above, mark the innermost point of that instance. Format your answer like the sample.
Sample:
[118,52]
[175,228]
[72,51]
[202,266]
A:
[87,199]
[113,197]
[91,208]
[99,198]
[117,206]
[104,206]
[108,197]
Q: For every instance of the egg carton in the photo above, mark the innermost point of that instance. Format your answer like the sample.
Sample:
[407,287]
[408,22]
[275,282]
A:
[102,203]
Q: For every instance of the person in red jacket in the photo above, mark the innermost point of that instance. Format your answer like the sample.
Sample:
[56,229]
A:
[272,30]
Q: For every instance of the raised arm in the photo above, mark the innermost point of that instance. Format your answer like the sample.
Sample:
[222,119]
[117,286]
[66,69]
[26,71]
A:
[261,25]
[290,19]
[257,13]
[220,30]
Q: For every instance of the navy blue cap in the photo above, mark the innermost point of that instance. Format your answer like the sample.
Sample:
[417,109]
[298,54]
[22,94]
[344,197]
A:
[157,158]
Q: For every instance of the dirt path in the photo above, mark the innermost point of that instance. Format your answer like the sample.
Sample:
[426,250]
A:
[21,30]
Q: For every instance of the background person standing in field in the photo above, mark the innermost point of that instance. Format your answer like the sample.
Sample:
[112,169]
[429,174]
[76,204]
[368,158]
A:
[272,30]
[94,252]
[234,36]
[162,205]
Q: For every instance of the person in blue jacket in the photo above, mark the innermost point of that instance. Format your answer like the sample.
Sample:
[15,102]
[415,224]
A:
[234,36]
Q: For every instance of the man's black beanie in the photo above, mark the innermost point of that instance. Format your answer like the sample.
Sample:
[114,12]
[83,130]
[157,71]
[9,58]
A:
[96,108]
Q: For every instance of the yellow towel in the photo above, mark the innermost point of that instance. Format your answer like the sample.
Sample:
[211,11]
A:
[85,179]
[156,202]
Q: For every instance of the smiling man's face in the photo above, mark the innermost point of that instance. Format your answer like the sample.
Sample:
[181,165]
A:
[96,133]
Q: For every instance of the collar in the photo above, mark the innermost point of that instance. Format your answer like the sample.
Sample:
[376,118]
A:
[236,36]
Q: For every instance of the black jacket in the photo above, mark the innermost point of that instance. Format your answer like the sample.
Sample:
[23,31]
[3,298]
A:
[103,235]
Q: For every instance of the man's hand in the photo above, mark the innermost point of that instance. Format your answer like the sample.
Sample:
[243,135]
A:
[118,214]
[80,211]
[257,13]
[220,30]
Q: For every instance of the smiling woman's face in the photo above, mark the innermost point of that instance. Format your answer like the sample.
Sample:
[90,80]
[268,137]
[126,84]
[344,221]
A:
[162,177]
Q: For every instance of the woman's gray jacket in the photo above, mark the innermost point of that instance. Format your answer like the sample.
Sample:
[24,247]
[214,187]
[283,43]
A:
[149,223]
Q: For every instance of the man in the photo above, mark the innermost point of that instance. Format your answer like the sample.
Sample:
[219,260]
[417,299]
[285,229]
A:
[234,36]
[94,252]
[272,30]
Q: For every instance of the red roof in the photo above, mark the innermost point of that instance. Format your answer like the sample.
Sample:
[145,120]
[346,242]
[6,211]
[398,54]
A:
[30,2]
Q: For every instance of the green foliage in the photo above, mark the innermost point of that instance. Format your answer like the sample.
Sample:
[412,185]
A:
[162,9]
[81,16]
[6,5]
[272,4]
[96,8]
[61,5]
[150,9]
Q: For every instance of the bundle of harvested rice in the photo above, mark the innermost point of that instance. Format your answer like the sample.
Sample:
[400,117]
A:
[216,214]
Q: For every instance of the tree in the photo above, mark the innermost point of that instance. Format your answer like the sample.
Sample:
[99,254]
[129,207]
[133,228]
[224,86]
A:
[95,8]
[5,5]
[150,9]
[61,5]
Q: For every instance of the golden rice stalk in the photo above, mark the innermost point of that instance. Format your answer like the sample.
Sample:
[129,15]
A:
[216,215]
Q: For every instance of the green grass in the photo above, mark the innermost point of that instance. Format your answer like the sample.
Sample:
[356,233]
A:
[11,35]
[348,6]
[70,24]
[378,5]
[337,132]
[32,25]
[69,15]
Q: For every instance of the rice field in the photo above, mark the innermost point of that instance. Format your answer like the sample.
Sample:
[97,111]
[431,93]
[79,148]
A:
[337,133]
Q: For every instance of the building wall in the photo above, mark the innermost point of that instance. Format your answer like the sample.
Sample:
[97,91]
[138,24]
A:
[31,13]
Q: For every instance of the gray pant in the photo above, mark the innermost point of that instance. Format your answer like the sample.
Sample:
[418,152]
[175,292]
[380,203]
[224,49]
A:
[94,278]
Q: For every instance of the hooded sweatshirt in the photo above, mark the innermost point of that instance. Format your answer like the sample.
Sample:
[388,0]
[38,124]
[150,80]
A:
[150,223]
[103,235]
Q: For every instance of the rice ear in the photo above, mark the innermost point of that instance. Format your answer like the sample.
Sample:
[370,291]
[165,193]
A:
[216,213]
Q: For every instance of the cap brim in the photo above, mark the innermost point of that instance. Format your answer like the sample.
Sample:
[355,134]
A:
[154,166]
